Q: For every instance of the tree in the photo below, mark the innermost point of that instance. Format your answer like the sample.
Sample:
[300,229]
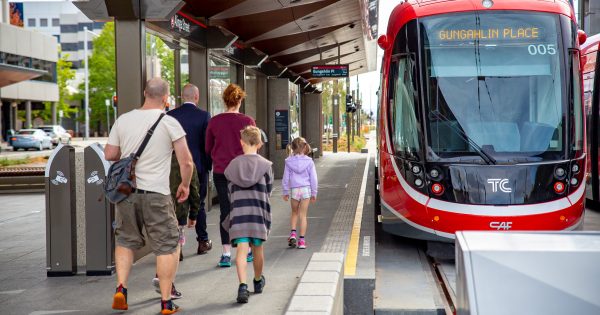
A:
[102,72]
[167,61]
[102,75]
[64,74]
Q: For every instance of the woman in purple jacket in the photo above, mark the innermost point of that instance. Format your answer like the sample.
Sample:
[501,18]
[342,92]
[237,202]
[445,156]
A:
[299,181]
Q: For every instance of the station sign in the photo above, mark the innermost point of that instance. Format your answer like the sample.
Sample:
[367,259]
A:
[181,24]
[330,71]
[219,72]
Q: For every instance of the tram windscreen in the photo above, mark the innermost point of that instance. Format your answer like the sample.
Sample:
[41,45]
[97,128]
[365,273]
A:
[496,81]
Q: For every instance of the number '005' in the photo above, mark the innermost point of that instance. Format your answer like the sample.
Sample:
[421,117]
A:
[541,49]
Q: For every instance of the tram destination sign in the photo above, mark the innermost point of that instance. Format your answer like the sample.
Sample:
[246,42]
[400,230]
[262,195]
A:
[330,71]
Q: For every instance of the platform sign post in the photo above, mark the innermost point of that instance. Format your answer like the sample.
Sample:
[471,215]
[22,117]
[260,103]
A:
[336,121]
[99,215]
[61,236]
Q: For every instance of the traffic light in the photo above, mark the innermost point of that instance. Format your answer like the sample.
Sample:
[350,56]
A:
[115,101]
[349,103]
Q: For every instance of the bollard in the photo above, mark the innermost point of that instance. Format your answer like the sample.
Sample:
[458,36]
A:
[99,215]
[61,237]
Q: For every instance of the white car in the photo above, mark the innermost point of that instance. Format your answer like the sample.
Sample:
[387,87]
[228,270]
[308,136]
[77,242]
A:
[57,133]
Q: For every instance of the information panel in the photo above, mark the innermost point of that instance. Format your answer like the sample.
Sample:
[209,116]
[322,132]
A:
[282,128]
[330,71]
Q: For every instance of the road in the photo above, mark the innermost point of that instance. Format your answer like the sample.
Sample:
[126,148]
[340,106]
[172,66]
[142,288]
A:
[77,142]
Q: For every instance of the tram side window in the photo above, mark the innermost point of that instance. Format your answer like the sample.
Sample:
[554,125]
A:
[577,106]
[404,126]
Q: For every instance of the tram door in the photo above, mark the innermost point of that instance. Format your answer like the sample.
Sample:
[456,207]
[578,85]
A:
[593,132]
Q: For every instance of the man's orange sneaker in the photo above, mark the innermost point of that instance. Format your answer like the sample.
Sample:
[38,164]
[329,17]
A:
[120,299]
[168,307]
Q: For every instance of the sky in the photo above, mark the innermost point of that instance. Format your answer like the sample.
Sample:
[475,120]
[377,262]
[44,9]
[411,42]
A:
[369,82]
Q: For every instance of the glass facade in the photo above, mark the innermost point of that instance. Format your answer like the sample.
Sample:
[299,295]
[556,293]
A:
[32,63]
[294,111]
[518,79]
[250,104]
[222,72]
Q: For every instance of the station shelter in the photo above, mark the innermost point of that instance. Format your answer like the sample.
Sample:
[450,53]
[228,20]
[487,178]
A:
[268,47]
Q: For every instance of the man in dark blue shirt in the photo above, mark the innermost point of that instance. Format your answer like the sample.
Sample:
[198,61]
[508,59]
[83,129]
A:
[194,121]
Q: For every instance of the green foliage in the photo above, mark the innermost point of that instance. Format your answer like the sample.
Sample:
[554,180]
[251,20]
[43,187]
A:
[6,162]
[64,74]
[167,60]
[102,75]
[330,88]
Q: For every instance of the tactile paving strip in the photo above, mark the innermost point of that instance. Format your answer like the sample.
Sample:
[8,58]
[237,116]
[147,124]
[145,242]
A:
[338,236]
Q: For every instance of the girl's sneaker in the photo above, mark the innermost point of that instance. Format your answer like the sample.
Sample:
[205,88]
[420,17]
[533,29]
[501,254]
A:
[292,240]
[302,243]
[181,229]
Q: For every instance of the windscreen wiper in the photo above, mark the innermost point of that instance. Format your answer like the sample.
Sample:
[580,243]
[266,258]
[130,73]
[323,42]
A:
[484,155]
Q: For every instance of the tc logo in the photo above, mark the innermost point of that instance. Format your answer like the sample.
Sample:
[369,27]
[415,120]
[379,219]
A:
[501,225]
[499,183]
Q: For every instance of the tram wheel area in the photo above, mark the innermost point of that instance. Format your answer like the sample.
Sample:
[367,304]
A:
[411,276]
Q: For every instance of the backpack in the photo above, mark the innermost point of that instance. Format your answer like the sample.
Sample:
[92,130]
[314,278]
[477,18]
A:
[120,180]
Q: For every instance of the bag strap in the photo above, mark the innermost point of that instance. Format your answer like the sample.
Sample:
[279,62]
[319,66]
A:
[147,138]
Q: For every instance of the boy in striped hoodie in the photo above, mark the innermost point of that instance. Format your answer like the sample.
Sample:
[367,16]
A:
[250,179]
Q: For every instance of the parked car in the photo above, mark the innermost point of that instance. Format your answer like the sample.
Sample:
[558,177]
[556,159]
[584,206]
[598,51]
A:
[31,138]
[57,133]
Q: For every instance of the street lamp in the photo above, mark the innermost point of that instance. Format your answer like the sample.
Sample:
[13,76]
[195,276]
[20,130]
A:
[87,92]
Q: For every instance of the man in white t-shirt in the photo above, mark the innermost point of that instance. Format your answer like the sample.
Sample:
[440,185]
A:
[150,205]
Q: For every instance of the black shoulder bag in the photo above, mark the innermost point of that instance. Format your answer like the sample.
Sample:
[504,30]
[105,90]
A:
[120,180]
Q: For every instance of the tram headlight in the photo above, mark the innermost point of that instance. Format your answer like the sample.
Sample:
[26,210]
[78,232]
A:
[574,181]
[434,173]
[487,3]
[575,168]
[416,169]
[559,172]
[419,182]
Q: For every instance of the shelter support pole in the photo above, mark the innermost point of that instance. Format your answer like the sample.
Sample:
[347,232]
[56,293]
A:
[130,46]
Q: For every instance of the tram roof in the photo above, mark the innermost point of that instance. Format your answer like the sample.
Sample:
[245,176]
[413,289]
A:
[286,35]
[412,9]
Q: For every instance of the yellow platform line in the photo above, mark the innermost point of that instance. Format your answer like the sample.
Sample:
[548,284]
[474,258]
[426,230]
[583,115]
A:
[352,252]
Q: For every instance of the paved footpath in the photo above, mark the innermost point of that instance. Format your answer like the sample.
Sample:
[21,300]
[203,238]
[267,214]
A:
[207,289]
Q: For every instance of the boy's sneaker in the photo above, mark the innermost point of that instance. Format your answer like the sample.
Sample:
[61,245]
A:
[225,261]
[120,299]
[168,307]
[292,240]
[250,257]
[174,293]
[243,293]
[259,285]
[302,243]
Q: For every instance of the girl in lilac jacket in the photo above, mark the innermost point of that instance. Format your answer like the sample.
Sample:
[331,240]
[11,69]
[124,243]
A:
[300,183]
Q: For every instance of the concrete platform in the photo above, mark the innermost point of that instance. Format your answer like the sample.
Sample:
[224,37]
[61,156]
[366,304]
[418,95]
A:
[405,284]
[207,289]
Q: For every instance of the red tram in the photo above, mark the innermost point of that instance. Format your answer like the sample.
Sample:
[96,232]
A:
[591,105]
[480,123]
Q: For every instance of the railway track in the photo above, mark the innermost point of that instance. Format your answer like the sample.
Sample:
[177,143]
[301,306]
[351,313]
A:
[444,277]
[21,180]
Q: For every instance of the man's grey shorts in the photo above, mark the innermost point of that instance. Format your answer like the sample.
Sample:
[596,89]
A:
[153,211]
